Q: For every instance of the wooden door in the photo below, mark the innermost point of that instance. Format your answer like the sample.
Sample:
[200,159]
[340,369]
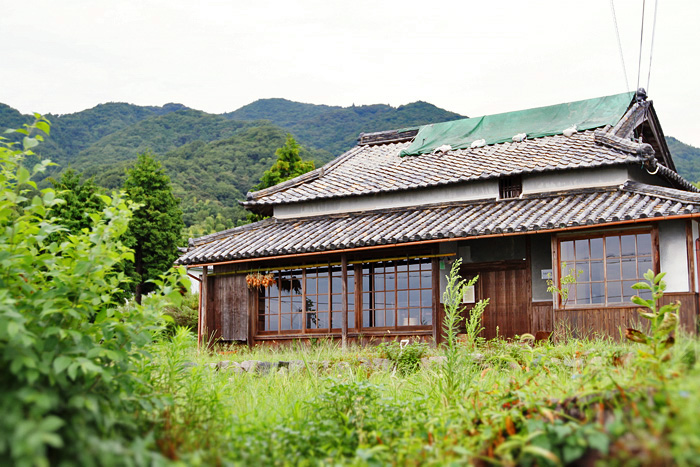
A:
[508,292]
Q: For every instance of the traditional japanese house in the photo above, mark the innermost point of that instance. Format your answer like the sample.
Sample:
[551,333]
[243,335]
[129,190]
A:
[359,248]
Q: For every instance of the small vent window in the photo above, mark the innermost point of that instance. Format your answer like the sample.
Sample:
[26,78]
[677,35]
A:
[510,187]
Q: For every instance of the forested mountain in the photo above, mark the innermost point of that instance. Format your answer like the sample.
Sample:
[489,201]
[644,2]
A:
[72,133]
[159,135]
[336,129]
[686,158]
[213,160]
[210,177]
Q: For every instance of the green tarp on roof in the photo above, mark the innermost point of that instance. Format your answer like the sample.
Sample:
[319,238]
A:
[541,121]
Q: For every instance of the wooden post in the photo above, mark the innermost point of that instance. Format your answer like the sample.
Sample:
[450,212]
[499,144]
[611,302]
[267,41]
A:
[344,280]
[202,307]
[435,266]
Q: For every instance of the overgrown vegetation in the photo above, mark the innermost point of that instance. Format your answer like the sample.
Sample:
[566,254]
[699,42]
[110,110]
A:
[663,320]
[545,404]
[71,390]
[183,314]
[404,355]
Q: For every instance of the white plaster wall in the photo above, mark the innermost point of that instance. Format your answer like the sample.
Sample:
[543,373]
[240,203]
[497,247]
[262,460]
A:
[673,255]
[458,192]
[569,179]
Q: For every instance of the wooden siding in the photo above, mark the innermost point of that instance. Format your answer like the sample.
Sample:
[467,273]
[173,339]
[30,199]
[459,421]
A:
[589,322]
[227,305]
[541,317]
[506,313]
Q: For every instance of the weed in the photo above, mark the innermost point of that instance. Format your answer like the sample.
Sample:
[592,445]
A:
[453,296]
[404,355]
[566,281]
[663,319]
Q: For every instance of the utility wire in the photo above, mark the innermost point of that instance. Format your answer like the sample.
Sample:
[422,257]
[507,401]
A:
[651,51]
[619,45]
[641,38]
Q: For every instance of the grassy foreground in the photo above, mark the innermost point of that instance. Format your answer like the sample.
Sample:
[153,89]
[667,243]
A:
[503,403]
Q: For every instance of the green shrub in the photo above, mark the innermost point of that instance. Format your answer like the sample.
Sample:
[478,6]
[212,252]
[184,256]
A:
[185,314]
[405,357]
[70,393]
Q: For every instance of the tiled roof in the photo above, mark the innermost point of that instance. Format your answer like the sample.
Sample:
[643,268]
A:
[593,206]
[369,169]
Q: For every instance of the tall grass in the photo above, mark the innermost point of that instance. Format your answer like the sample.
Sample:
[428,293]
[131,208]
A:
[521,404]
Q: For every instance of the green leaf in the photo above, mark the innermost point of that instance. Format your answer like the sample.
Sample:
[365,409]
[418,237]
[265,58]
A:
[646,315]
[541,452]
[668,325]
[637,300]
[61,363]
[571,453]
[29,143]
[43,126]
[599,441]
[52,423]
[23,175]
[72,370]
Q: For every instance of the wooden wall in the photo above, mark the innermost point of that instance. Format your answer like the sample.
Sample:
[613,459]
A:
[587,322]
[541,317]
[227,305]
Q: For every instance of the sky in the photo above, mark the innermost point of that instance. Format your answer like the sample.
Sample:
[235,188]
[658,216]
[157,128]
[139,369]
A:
[469,57]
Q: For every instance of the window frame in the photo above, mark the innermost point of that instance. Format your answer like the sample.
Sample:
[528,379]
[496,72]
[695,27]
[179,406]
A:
[573,236]
[355,296]
[510,187]
[262,301]
[425,265]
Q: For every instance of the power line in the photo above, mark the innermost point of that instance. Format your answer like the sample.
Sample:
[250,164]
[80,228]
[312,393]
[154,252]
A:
[641,39]
[651,51]
[619,45]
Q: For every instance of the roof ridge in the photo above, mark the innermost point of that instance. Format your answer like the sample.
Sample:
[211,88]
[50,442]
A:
[661,191]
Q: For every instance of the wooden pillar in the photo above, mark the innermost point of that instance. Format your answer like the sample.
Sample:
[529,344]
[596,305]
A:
[344,275]
[691,255]
[202,329]
[435,266]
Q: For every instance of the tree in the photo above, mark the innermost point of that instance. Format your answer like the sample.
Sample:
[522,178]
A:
[288,165]
[154,230]
[80,200]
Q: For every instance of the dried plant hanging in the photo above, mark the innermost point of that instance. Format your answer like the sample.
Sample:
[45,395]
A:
[256,281]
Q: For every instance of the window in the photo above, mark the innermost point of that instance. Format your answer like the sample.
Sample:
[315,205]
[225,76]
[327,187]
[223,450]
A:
[605,267]
[394,294]
[397,294]
[305,300]
[510,187]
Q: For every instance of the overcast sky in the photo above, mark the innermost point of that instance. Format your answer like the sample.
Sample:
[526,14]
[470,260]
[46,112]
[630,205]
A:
[470,57]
